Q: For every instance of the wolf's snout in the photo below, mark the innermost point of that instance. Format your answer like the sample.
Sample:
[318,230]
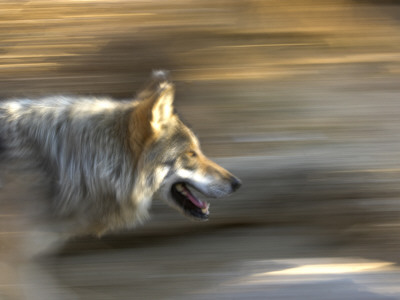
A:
[235,183]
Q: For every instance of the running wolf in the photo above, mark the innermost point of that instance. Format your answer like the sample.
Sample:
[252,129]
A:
[98,163]
[72,166]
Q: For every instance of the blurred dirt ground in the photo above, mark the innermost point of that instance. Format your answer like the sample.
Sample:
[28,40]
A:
[298,98]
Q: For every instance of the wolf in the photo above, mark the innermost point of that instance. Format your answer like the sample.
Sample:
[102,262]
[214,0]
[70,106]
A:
[87,165]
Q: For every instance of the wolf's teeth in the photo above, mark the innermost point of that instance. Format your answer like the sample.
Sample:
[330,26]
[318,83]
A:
[179,187]
[205,209]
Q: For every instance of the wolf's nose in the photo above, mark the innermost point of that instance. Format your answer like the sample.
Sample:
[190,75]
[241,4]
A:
[235,183]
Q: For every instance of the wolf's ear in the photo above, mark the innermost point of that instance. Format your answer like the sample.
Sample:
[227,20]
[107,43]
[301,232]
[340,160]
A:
[156,106]
[162,106]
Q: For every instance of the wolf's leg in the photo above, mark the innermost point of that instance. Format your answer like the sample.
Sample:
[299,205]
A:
[25,234]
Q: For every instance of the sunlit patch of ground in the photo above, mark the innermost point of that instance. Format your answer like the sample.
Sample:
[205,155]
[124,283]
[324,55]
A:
[312,278]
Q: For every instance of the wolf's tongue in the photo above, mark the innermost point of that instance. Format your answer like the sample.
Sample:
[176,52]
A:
[193,199]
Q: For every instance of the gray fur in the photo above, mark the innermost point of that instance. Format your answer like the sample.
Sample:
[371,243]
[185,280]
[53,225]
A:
[81,145]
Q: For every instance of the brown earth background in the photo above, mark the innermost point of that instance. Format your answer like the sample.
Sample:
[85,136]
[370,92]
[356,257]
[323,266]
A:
[300,99]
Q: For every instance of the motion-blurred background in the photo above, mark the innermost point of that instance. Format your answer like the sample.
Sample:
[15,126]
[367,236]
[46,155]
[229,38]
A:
[298,98]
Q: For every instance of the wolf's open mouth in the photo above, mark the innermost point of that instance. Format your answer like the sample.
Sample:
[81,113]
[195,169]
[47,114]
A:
[188,202]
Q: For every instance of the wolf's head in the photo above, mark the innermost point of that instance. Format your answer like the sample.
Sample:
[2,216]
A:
[171,161]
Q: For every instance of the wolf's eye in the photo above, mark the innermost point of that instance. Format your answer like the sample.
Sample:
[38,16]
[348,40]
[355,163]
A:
[192,153]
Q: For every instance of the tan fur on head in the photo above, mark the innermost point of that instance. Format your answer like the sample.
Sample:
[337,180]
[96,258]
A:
[152,114]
